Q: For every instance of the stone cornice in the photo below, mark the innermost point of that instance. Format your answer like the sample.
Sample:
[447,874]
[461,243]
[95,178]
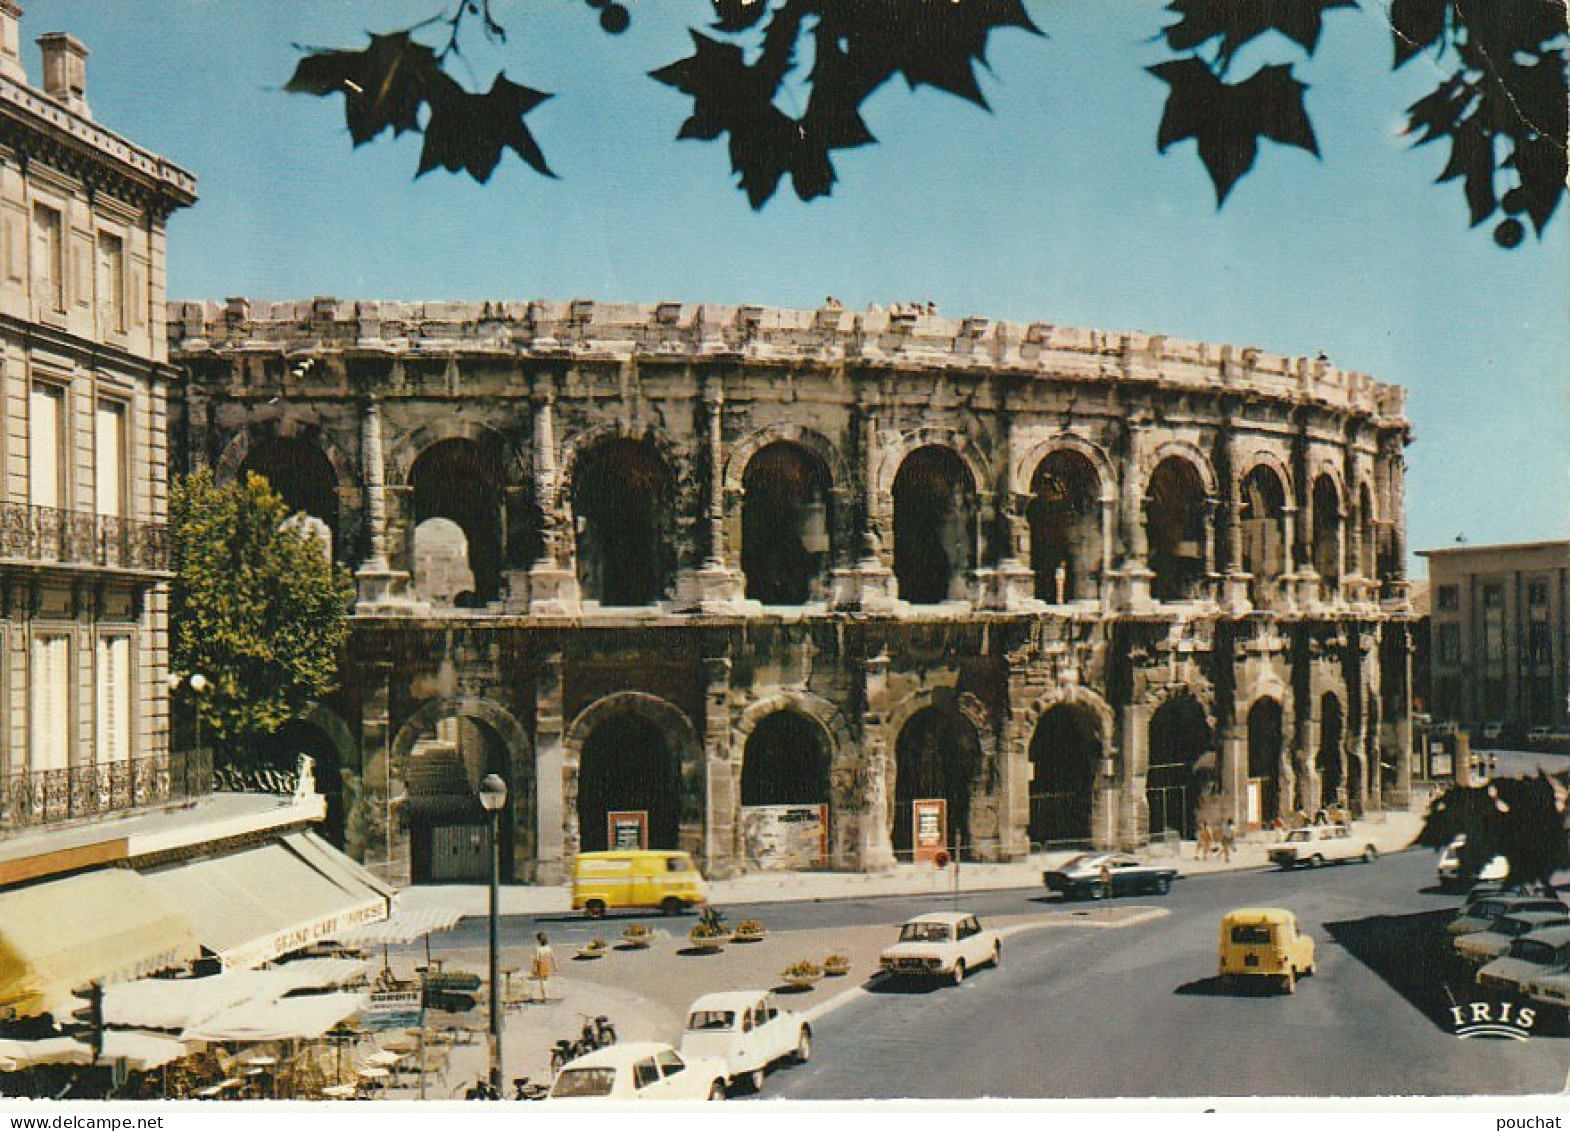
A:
[584,332]
[39,128]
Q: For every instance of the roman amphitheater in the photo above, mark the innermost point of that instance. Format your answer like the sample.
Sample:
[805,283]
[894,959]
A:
[819,588]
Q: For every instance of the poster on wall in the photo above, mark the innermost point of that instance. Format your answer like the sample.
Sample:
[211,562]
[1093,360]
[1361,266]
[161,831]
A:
[627,829]
[785,837]
[930,821]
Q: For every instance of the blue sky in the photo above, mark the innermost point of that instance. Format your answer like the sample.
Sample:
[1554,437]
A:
[1054,206]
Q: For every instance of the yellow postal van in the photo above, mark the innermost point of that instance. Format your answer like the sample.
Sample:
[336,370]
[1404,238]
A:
[1265,941]
[603,880]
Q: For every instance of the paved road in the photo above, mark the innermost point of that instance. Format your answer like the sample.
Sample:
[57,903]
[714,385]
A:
[1135,1012]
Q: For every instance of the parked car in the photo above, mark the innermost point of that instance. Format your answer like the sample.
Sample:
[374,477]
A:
[1314,845]
[1538,955]
[1481,915]
[747,1031]
[640,1070]
[1493,731]
[1493,889]
[942,944]
[1449,869]
[1082,876]
[1485,946]
[1265,942]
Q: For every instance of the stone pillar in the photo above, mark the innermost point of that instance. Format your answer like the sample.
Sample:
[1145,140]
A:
[722,790]
[876,851]
[1134,577]
[1212,564]
[1307,574]
[1014,585]
[719,586]
[1306,754]
[1396,588]
[550,758]
[386,849]
[1232,750]
[379,587]
[1234,595]
[1109,512]
[869,585]
[553,579]
[1403,719]
[1134,818]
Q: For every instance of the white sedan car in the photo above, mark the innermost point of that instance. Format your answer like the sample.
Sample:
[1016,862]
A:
[639,1070]
[942,944]
[747,1031]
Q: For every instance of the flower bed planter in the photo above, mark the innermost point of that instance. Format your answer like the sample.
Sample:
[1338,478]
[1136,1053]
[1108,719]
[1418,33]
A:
[637,937]
[802,975]
[748,930]
[708,942]
[836,966]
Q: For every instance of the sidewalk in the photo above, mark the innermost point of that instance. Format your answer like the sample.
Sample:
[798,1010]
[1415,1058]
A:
[1390,832]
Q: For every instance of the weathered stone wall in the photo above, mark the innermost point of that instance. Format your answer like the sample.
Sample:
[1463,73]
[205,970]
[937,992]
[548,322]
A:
[1004,563]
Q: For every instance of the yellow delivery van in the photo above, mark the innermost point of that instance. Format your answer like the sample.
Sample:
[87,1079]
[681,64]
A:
[1265,941]
[643,878]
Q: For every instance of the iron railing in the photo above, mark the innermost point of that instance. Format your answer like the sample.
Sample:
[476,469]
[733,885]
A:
[31,798]
[65,537]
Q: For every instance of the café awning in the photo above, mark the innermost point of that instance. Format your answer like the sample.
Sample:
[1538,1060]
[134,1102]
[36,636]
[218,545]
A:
[304,1018]
[251,906]
[403,926]
[106,926]
[178,1003]
[17,1055]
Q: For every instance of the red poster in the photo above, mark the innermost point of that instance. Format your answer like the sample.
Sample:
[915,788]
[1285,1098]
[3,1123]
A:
[627,829]
[930,825]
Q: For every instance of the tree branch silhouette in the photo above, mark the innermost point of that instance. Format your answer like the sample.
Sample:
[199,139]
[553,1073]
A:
[1500,101]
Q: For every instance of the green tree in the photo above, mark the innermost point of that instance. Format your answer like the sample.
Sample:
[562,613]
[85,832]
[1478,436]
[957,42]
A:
[257,608]
[1500,100]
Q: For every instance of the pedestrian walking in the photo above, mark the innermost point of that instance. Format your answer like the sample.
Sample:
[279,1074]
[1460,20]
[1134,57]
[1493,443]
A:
[543,966]
[1202,842]
[1106,879]
[1228,838]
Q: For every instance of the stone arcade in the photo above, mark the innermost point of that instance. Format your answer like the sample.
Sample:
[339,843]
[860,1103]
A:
[689,561]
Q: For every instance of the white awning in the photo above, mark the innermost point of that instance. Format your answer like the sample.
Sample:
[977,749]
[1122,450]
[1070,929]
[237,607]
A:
[252,906]
[142,1052]
[17,1055]
[178,1003]
[105,926]
[302,1017]
[403,926]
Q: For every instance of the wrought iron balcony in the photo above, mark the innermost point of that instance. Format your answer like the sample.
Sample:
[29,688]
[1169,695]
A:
[51,536]
[33,798]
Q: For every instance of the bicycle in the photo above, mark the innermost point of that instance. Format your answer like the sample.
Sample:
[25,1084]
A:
[598,1033]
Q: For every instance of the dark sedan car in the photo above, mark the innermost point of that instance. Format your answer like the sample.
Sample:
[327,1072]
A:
[1098,875]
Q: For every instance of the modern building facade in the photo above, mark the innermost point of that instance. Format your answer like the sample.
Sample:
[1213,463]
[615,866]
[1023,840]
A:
[84,555]
[821,588]
[1500,633]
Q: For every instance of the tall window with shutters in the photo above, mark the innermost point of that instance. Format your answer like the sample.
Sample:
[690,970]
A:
[111,283]
[46,446]
[49,702]
[48,258]
[114,698]
[109,483]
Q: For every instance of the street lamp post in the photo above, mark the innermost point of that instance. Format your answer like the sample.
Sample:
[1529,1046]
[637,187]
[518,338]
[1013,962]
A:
[198,683]
[493,795]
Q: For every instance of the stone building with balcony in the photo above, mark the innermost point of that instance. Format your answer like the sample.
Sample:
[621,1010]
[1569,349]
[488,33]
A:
[84,554]
[811,588]
[117,856]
